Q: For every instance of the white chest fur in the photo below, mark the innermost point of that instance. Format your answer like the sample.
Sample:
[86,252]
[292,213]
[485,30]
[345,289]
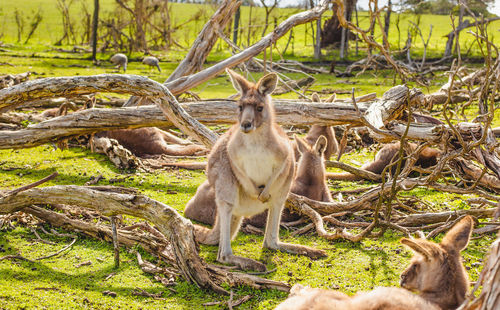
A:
[255,159]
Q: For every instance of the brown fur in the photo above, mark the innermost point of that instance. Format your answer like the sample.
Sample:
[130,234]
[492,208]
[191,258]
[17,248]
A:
[436,273]
[428,157]
[153,141]
[309,181]
[250,169]
[315,132]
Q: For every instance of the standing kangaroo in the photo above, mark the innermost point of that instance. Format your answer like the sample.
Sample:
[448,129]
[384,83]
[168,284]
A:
[309,181]
[250,169]
[436,272]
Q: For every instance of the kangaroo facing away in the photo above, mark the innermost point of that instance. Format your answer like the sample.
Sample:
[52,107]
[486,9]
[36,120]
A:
[309,181]
[250,169]
[428,157]
[436,273]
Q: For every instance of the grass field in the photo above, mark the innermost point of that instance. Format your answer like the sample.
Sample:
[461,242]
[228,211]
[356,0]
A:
[57,284]
[50,30]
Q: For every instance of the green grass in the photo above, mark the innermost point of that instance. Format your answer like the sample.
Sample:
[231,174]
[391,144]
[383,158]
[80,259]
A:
[55,283]
[349,266]
[50,29]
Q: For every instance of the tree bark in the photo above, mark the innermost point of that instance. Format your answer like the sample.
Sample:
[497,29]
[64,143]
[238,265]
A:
[236,26]
[95,22]
[205,41]
[124,84]
[94,120]
[387,21]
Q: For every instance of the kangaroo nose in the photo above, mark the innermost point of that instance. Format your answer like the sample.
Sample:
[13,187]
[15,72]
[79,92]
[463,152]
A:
[246,126]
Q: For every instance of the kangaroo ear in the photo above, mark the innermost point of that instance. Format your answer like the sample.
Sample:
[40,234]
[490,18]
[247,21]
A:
[418,246]
[458,236]
[320,145]
[331,98]
[315,97]
[267,84]
[301,144]
[239,82]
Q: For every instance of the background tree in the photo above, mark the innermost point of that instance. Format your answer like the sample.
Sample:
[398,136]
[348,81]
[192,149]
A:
[95,22]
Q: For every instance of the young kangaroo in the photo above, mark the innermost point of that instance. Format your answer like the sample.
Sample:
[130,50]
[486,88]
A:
[250,169]
[435,272]
[428,157]
[309,181]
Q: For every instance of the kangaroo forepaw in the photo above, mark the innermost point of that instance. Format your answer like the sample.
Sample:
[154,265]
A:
[246,264]
[300,250]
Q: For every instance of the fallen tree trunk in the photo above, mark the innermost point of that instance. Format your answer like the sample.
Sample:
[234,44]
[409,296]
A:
[211,112]
[123,84]
[178,230]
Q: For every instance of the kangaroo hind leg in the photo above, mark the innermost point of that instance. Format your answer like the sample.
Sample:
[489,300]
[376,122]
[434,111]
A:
[271,238]
[225,253]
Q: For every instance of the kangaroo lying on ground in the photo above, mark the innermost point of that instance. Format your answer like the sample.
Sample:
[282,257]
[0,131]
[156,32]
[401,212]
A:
[436,272]
[428,157]
[250,169]
[309,182]
[153,141]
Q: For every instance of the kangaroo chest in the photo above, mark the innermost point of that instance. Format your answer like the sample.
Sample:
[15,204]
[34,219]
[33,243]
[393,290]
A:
[257,161]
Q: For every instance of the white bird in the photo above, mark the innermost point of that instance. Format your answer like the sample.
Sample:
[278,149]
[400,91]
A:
[152,62]
[120,60]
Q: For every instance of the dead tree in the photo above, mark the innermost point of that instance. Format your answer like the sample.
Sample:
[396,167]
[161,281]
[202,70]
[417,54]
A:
[464,25]
[182,84]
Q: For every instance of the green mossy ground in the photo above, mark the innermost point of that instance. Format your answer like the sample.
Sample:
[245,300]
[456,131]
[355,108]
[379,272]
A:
[55,283]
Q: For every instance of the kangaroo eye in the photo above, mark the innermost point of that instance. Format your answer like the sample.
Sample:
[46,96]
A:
[260,109]
[240,107]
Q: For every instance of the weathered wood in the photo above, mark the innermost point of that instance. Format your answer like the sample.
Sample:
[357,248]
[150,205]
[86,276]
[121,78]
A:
[201,47]
[178,230]
[430,218]
[392,104]
[183,84]
[125,84]
[289,112]
[150,243]
[489,281]
[208,112]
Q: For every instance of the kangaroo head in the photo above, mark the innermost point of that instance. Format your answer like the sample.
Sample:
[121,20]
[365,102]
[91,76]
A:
[311,158]
[255,103]
[436,271]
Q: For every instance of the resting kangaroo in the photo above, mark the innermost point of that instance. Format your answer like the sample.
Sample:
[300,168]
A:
[427,158]
[436,272]
[153,141]
[250,169]
[309,181]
